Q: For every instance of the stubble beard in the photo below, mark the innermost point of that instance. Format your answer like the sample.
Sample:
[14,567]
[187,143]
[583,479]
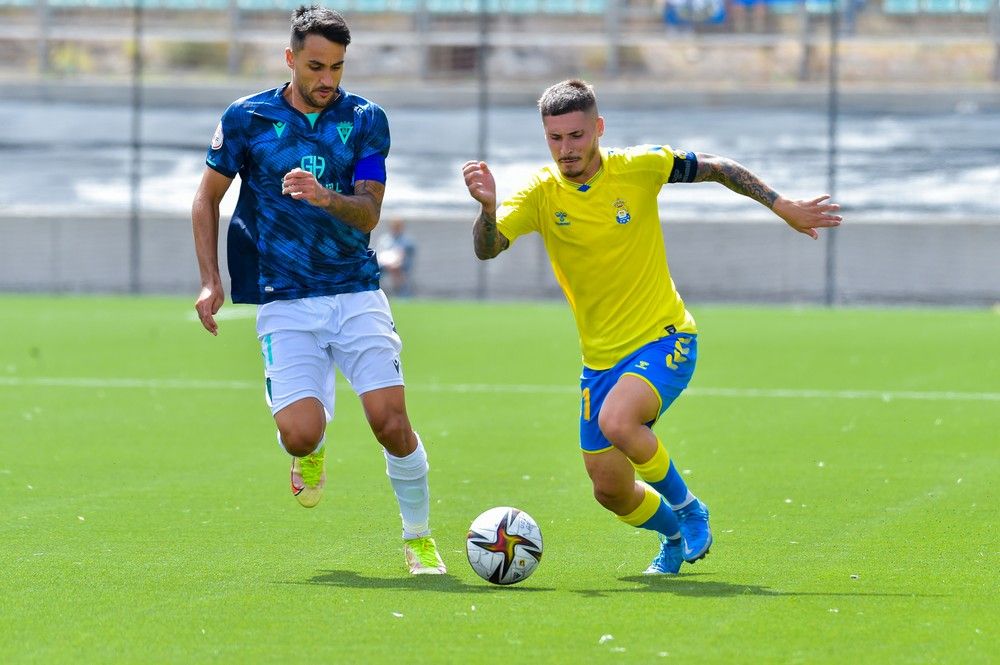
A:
[312,101]
[571,174]
[578,168]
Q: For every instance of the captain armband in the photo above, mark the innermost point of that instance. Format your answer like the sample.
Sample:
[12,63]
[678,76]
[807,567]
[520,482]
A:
[685,167]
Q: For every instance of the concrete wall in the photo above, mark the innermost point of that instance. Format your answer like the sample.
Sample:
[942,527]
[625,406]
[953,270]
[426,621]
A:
[926,262]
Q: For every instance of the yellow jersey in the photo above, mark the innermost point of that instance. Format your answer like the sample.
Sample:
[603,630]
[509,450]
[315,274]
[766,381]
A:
[607,250]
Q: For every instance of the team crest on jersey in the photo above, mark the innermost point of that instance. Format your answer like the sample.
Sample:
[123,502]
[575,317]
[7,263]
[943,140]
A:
[622,215]
[561,219]
[217,138]
[345,129]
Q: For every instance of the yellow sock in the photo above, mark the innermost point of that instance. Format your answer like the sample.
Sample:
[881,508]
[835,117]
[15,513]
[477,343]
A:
[655,470]
[647,508]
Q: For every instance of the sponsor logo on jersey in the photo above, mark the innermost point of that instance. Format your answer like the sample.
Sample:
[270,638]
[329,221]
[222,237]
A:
[561,219]
[279,128]
[217,138]
[314,164]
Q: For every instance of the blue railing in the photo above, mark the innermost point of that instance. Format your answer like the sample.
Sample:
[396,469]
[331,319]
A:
[891,7]
[522,7]
[356,6]
[937,6]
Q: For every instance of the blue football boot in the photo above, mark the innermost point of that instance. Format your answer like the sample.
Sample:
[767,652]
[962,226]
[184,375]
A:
[670,558]
[693,519]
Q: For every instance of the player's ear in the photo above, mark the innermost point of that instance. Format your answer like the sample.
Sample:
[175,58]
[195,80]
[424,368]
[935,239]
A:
[600,126]
[289,57]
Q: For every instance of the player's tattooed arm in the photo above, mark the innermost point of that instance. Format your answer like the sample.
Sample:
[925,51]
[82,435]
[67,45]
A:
[805,216]
[487,239]
[735,176]
[360,210]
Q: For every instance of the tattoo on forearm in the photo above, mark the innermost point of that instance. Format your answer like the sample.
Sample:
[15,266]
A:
[362,210]
[738,178]
[367,189]
[488,242]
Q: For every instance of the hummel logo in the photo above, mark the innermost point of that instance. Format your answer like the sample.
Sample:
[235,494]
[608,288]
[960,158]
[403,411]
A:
[561,219]
[279,128]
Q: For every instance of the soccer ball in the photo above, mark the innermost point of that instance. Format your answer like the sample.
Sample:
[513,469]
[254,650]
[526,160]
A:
[504,545]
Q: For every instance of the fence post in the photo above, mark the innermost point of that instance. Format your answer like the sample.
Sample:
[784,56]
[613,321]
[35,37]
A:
[421,20]
[832,112]
[806,51]
[612,26]
[135,171]
[235,50]
[44,16]
[482,136]
[995,31]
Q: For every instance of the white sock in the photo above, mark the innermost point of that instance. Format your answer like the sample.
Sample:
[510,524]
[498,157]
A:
[688,499]
[408,476]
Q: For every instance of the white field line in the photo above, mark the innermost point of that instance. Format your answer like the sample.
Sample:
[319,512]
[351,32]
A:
[529,389]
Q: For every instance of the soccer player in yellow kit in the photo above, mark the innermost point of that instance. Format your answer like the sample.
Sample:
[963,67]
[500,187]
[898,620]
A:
[597,213]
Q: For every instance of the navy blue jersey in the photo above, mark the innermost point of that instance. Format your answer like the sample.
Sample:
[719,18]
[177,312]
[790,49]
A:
[280,248]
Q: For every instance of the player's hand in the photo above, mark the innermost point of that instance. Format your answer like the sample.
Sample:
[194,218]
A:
[482,186]
[807,216]
[208,304]
[303,186]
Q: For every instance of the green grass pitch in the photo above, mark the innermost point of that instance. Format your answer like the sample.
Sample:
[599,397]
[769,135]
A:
[849,457]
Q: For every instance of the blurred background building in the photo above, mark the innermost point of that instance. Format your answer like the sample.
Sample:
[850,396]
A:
[891,105]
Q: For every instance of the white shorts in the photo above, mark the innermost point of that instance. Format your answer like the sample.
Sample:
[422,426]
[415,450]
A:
[303,340]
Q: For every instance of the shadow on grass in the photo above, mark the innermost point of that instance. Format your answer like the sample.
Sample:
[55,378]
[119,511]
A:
[686,586]
[441,583]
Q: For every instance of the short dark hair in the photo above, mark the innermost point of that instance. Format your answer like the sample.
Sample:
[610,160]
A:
[568,96]
[316,20]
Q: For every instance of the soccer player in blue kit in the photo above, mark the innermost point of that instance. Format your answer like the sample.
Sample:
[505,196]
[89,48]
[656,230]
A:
[311,157]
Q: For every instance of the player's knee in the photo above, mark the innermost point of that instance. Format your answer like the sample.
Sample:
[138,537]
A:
[301,426]
[614,427]
[610,497]
[391,429]
[300,440]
